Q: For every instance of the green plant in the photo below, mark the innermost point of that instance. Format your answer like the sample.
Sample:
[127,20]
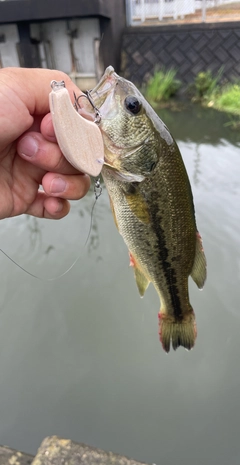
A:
[162,85]
[205,84]
[229,98]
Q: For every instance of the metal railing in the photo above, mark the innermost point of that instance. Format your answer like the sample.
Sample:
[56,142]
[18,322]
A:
[162,11]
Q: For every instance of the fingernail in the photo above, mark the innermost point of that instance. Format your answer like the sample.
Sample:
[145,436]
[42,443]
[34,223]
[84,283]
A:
[28,146]
[59,207]
[57,186]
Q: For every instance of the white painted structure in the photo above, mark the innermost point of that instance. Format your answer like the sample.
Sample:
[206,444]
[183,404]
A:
[70,46]
[143,9]
[139,11]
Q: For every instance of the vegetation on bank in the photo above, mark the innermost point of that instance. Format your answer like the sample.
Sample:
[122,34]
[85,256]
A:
[205,86]
[206,89]
[162,86]
[228,99]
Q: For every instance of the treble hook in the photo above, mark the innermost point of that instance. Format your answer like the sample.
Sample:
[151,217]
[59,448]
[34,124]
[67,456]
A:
[76,100]
[97,112]
[78,106]
[88,94]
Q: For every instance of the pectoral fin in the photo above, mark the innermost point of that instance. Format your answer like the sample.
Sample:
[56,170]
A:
[127,177]
[199,269]
[113,213]
[141,280]
[138,206]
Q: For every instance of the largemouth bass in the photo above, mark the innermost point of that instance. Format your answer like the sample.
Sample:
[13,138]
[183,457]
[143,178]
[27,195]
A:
[152,203]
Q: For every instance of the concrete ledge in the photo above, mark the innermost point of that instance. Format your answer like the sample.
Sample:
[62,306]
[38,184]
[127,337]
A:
[35,10]
[56,451]
[13,457]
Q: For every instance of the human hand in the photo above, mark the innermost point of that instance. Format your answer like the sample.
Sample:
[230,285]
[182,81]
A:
[29,154]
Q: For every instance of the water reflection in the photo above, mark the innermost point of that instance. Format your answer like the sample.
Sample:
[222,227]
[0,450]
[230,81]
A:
[197,163]
[201,125]
[38,243]
[80,356]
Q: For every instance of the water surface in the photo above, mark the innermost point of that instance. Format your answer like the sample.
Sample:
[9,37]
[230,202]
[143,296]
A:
[80,356]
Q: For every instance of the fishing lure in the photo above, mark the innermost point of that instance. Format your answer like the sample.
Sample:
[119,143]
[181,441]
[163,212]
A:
[79,139]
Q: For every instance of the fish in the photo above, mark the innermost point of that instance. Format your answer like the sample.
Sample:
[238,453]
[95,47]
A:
[152,203]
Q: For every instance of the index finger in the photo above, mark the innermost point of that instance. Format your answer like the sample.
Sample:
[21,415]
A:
[24,95]
[35,91]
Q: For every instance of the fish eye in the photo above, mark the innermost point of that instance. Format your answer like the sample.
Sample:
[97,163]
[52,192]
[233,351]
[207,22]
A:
[132,104]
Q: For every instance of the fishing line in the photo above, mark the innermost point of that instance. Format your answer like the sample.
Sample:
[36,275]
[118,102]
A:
[97,193]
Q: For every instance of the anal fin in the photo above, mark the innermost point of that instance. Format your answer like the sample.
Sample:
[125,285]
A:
[141,280]
[199,269]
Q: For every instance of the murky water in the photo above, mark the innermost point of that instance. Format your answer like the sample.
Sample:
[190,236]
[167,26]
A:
[80,356]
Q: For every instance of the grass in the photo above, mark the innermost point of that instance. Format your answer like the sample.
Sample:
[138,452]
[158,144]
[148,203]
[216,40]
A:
[208,90]
[205,85]
[228,99]
[162,86]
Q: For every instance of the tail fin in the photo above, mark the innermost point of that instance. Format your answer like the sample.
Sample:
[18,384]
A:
[178,332]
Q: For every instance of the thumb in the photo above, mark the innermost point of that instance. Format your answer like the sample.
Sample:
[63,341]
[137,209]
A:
[24,92]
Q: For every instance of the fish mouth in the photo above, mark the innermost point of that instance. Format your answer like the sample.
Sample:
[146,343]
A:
[104,87]
[95,98]
[108,79]
[101,99]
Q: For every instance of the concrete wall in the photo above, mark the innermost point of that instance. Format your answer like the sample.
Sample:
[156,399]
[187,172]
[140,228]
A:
[66,38]
[75,36]
[69,46]
[111,35]
[8,50]
[42,10]
[187,48]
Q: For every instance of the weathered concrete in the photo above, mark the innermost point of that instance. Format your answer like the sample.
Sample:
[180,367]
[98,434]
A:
[104,45]
[35,10]
[13,457]
[55,451]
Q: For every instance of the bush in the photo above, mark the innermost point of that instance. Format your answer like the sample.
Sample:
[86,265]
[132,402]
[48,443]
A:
[229,98]
[223,97]
[162,86]
[206,85]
